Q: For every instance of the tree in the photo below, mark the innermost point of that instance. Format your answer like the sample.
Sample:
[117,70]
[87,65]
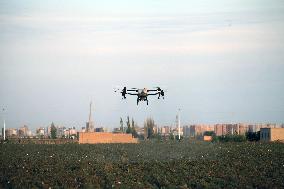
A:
[128,130]
[133,130]
[121,125]
[253,136]
[53,131]
[177,137]
[172,137]
[149,127]
[209,133]
[132,122]
[229,138]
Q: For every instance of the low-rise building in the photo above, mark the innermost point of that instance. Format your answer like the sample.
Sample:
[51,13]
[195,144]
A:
[11,133]
[140,130]
[100,129]
[29,133]
[272,134]
[117,130]
[40,131]
[70,132]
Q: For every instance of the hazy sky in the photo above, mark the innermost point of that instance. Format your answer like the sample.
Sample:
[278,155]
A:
[221,60]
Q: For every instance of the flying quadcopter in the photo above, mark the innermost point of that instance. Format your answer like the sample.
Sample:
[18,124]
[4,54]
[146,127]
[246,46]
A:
[142,94]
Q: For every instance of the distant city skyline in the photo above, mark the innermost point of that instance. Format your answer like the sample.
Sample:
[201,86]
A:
[221,61]
[188,130]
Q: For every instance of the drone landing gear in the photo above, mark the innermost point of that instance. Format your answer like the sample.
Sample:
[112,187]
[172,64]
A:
[137,101]
[147,102]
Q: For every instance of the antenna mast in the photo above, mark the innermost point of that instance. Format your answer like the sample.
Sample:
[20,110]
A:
[4,124]
[4,134]
[90,114]
[179,123]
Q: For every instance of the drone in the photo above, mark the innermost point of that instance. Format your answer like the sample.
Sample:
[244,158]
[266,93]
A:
[142,94]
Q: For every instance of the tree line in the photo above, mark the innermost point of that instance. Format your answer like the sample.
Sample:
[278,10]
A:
[131,126]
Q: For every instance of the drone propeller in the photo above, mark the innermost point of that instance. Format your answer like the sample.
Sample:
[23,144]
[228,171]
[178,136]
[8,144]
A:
[159,89]
[122,90]
[164,89]
[117,88]
[161,92]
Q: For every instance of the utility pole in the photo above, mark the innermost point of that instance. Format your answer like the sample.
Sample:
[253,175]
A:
[4,133]
[179,123]
[4,124]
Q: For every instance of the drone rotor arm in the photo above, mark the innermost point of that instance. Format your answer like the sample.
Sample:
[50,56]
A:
[153,94]
[132,93]
[152,90]
[132,90]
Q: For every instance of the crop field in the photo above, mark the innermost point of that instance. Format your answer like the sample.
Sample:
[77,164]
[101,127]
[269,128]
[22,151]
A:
[144,165]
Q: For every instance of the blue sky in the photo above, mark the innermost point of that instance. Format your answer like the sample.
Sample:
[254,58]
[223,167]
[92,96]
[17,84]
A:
[221,61]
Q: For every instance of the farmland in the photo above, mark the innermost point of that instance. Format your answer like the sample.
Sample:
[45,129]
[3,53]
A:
[144,165]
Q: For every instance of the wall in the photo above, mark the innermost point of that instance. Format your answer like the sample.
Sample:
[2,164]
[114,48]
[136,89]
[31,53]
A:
[104,137]
[277,134]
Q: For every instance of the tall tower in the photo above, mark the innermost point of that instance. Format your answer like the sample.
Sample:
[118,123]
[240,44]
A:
[90,123]
[176,121]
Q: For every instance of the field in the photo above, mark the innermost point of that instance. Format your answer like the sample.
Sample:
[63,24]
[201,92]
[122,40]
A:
[144,165]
